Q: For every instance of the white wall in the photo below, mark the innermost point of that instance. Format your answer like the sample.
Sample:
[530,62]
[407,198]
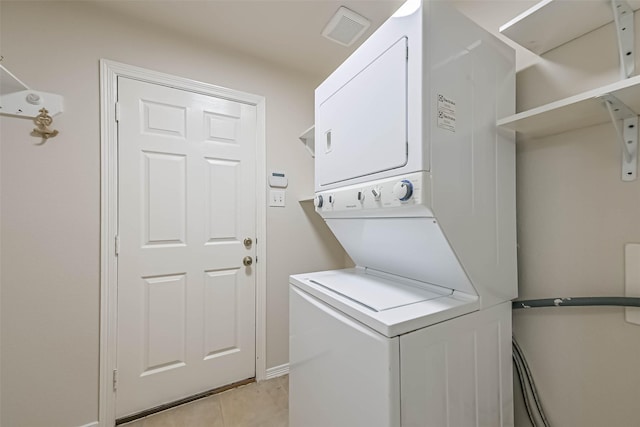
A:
[50,217]
[574,217]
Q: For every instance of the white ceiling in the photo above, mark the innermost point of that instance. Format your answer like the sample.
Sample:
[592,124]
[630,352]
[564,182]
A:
[288,32]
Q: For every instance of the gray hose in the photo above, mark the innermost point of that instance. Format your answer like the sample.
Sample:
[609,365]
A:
[577,302]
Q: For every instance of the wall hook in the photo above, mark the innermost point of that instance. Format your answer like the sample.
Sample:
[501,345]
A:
[43,121]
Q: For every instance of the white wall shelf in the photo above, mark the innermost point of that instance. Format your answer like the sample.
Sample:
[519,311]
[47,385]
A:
[17,99]
[308,139]
[552,23]
[582,110]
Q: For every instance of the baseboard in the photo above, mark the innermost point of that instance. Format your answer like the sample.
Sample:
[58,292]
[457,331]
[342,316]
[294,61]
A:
[93,424]
[277,371]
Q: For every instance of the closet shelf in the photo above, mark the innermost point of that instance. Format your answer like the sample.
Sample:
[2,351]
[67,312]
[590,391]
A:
[585,109]
[308,139]
[18,99]
[552,23]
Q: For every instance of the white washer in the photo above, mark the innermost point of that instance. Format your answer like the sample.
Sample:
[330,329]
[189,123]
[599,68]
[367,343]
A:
[367,351]
[416,182]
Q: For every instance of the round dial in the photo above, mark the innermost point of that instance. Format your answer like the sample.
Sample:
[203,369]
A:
[377,193]
[318,201]
[403,190]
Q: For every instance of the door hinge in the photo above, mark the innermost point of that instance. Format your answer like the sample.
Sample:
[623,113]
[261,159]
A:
[117,245]
[256,259]
[117,111]
[115,380]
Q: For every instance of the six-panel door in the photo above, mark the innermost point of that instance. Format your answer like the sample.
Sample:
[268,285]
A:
[186,302]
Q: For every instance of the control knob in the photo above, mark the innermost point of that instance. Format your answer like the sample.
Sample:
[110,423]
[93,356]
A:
[318,201]
[403,190]
[377,192]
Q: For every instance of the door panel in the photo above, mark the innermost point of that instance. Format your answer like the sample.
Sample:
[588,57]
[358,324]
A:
[365,119]
[222,128]
[164,323]
[222,185]
[186,303]
[168,120]
[164,194]
[220,313]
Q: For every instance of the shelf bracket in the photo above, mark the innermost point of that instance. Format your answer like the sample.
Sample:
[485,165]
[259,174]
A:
[630,134]
[623,16]
[628,137]
[308,139]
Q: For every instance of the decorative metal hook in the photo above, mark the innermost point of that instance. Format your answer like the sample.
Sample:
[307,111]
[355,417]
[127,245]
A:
[43,121]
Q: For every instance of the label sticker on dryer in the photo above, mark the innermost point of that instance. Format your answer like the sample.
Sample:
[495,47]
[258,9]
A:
[446,113]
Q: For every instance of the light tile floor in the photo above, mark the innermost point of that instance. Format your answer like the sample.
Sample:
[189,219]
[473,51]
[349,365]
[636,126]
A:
[263,404]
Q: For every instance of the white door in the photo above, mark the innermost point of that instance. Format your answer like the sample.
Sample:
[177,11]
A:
[186,302]
[364,119]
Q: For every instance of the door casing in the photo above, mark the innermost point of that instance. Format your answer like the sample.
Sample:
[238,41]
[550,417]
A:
[109,73]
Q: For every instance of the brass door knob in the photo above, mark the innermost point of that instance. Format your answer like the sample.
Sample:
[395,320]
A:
[248,242]
[247,261]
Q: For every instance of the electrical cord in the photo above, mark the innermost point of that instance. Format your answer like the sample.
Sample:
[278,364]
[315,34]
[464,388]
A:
[528,388]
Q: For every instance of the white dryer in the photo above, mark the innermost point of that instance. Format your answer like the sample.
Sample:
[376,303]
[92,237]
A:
[418,185]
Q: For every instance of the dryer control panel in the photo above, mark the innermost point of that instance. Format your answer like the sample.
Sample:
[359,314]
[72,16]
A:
[405,195]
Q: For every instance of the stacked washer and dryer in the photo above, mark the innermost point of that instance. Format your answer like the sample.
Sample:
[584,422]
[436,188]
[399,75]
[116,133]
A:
[418,185]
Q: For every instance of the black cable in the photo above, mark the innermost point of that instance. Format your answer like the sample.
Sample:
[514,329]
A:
[517,360]
[528,385]
[577,302]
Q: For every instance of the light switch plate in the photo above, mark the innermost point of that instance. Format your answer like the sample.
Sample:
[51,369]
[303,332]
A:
[276,198]
[632,279]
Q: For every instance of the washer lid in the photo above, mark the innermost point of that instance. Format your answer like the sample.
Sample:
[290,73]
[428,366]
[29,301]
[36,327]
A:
[388,304]
[375,293]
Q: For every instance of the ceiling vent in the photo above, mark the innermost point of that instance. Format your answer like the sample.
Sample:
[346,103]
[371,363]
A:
[345,27]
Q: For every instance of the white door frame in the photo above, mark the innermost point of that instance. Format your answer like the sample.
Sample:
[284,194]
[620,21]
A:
[109,73]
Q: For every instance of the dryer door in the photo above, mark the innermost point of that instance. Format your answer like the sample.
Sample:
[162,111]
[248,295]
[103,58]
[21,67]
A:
[361,129]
